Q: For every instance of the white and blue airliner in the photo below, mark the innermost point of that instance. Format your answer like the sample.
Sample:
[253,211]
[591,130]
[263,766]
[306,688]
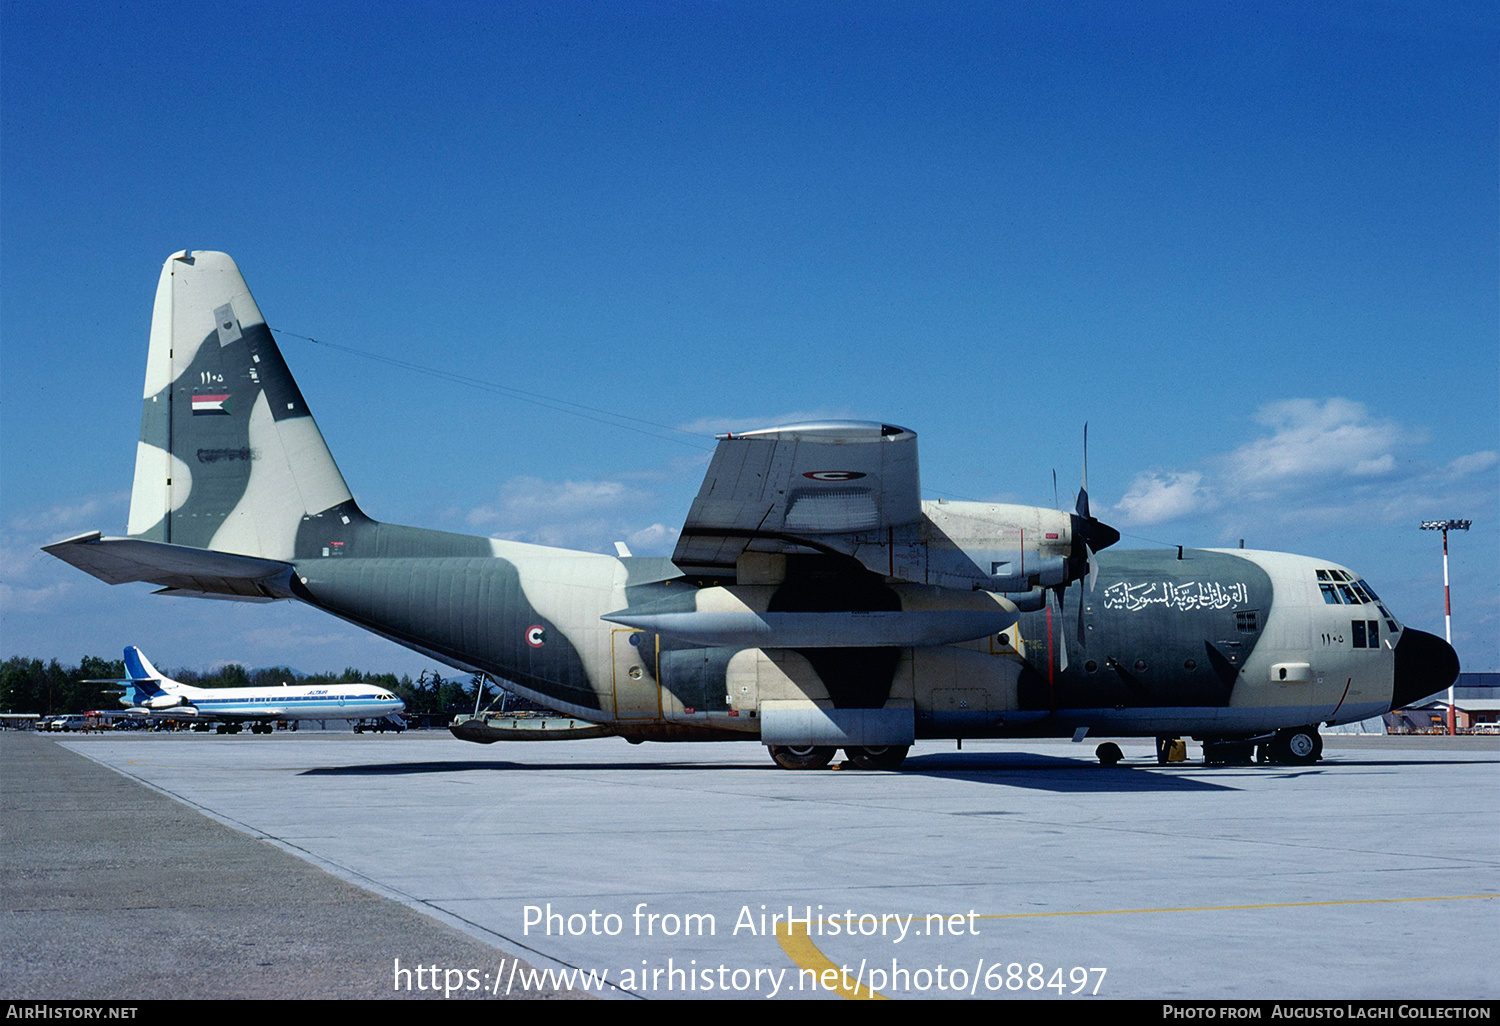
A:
[151,693]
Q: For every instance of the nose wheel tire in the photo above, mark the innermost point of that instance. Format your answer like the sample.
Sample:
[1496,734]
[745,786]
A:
[802,757]
[884,757]
[1297,746]
[1109,753]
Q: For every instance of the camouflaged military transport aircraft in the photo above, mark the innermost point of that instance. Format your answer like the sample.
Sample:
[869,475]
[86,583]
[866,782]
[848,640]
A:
[814,601]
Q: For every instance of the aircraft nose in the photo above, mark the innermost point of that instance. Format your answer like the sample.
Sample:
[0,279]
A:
[1425,665]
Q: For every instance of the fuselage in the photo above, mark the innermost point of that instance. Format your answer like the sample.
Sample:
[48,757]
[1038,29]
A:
[335,701]
[1217,643]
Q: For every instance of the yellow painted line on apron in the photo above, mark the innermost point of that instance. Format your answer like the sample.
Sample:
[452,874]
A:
[805,954]
[794,940]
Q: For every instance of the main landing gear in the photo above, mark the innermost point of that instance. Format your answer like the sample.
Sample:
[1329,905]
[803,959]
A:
[876,757]
[883,757]
[1290,746]
[802,757]
[1296,746]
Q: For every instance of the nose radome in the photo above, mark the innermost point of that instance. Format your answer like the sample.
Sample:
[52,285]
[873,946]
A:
[1425,665]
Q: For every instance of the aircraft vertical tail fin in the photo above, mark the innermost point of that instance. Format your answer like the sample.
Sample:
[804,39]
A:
[230,458]
[138,666]
[144,679]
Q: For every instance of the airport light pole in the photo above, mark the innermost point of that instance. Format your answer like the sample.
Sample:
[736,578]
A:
[1445,526]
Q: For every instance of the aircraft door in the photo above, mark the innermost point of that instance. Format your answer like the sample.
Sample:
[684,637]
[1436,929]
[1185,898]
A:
[635,663]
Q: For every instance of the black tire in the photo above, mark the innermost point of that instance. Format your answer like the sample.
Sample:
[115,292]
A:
[881,757]
[802,757]
[1109,753]
[1298,746]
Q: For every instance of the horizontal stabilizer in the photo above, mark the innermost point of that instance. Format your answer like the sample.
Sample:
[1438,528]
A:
[177,568]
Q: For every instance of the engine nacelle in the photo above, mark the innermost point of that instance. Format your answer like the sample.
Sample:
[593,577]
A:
[974,545]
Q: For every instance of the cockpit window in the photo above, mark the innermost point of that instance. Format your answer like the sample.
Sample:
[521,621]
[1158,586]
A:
[1354,593]
[1365,633]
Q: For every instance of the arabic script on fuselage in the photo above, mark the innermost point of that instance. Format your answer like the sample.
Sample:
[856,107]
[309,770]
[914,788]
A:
[1187,596]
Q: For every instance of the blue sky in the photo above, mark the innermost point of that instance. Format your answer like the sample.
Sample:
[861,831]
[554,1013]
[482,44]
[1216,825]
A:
[1253,245]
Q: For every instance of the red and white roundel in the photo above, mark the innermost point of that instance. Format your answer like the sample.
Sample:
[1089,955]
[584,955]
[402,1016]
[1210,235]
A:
[536,635]
[834,475]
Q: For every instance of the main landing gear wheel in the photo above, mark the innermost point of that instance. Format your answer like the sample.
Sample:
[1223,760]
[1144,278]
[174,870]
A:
[1109,753]
[800,757]
[882,757]
[1298,746]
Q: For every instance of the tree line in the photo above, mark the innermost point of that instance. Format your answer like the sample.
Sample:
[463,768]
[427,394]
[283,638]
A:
[49,688]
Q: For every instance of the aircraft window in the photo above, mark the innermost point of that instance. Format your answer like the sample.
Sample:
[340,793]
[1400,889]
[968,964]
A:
[1364,596]
[1247,620]
[1374,633]
[1330,595]
[1369,591]
[1357,628]
[1348,594]
[1322,575]
[1091,666]
[1191,664]
[1140,666]
[1390,621]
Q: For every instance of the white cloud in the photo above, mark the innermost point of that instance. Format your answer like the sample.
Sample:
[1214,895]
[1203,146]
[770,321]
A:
[658,539]
[1154,497]
[91,510]
[1322,463]
[1309,438]
[590,515]
[1473,463]
[31,581]
[525,499]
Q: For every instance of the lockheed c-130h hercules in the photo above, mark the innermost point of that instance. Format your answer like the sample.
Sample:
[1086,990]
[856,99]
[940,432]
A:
[814,601]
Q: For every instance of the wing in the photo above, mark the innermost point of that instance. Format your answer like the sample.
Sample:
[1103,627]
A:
[803,487]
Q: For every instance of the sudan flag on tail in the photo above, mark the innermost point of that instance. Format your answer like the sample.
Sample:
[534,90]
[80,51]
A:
[210,404]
